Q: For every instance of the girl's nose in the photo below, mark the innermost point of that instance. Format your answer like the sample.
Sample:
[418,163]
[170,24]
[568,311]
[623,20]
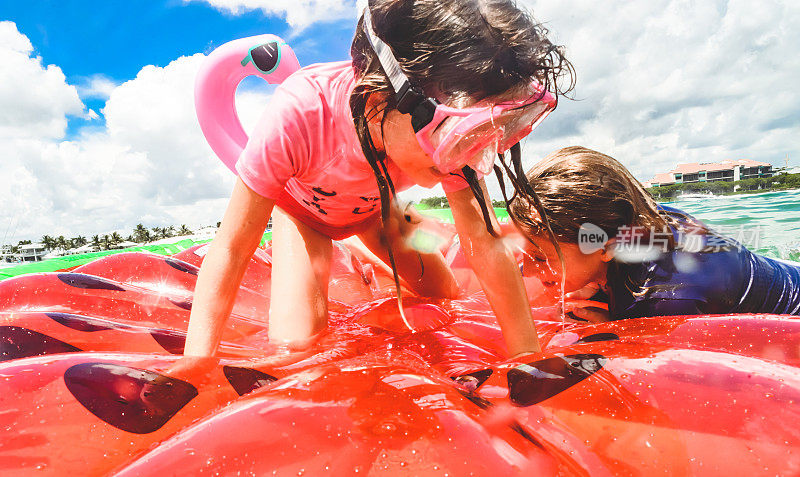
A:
[540,268]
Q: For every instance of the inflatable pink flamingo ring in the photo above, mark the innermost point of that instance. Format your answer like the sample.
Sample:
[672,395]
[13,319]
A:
[266,56]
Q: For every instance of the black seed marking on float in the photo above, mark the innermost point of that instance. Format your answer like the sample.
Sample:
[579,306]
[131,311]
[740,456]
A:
[245,380]
[484,403]
[532,383]
[599,337]
[86,324]
[474,380]
[17,342]
[133,400]
[172,341]
[182,266]
[79,280]
[184,305]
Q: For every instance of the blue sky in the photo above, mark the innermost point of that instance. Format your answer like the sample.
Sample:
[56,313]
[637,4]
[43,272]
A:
[98,130]
[116,38]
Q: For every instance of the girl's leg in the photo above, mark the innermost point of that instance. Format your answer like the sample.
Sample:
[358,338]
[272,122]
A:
[301,261]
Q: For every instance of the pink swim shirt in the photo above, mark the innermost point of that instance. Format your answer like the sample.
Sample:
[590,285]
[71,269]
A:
[305,154]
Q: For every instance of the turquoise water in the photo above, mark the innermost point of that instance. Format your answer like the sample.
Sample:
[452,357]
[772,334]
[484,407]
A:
[767,223]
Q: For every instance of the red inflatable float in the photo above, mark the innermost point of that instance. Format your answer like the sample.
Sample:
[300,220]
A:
[93,383]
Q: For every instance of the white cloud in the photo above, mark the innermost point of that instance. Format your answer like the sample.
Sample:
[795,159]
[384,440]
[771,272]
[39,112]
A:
[149,164]
[673,81]
[98,86]
[298,13]
[34,100]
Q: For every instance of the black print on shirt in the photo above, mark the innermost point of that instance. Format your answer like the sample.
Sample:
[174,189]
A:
[372,204]
[359,211]
[319,191]
[316,200]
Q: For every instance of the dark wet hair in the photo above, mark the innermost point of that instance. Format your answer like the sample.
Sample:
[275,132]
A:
[577,185]
[453,49]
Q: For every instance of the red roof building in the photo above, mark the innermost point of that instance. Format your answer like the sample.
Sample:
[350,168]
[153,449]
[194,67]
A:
[712,171]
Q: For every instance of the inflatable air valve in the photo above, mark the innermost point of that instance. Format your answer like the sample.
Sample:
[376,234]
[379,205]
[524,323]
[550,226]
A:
[266,56]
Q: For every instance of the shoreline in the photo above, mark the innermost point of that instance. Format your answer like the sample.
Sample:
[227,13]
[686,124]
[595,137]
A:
[696,194]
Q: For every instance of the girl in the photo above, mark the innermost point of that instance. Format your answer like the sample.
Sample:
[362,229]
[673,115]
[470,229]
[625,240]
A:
[658,260]
[339,139]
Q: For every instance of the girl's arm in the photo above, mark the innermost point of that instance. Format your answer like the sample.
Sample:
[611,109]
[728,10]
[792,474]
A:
[223,268]
[496,270]
[426,273]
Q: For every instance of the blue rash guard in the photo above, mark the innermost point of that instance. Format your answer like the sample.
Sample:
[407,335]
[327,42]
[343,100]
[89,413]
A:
[722,277]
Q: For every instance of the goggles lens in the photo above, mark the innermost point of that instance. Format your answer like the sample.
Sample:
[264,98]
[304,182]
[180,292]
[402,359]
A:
[459,137]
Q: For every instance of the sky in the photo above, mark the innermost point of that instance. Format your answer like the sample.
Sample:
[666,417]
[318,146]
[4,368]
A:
[98,131]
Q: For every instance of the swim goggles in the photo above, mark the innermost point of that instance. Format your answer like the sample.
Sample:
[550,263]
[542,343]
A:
[457,137]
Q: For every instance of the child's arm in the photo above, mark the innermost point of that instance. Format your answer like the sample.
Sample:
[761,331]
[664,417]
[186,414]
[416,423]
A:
[426,273]
[223,268]
[497,272]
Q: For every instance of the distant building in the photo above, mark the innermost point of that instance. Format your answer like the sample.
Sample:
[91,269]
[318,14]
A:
[728,171]
[88,248]
[6,255]
[33,252]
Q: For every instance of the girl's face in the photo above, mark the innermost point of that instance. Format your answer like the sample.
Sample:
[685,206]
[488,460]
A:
[582,269]
[403,149]
[395,133]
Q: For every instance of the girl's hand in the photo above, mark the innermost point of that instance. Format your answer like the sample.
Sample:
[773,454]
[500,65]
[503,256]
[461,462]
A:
[591,311]
[584,293]
[424,271]
[579,305]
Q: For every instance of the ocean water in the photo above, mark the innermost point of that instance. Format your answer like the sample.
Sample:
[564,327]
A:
[767,223]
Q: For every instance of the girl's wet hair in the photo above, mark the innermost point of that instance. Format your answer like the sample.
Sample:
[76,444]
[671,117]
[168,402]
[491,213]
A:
[577,185]
[454,49]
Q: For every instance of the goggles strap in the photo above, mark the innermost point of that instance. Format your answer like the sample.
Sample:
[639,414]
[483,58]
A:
[409,98]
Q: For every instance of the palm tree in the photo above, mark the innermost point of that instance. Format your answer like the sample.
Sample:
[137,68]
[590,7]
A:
[48,242]
[105,242]
[96,241]
[184,230]
[116,238]
[141,234]
[15,248]
[170,231]
[158,233]
[61,242]
[79,241]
